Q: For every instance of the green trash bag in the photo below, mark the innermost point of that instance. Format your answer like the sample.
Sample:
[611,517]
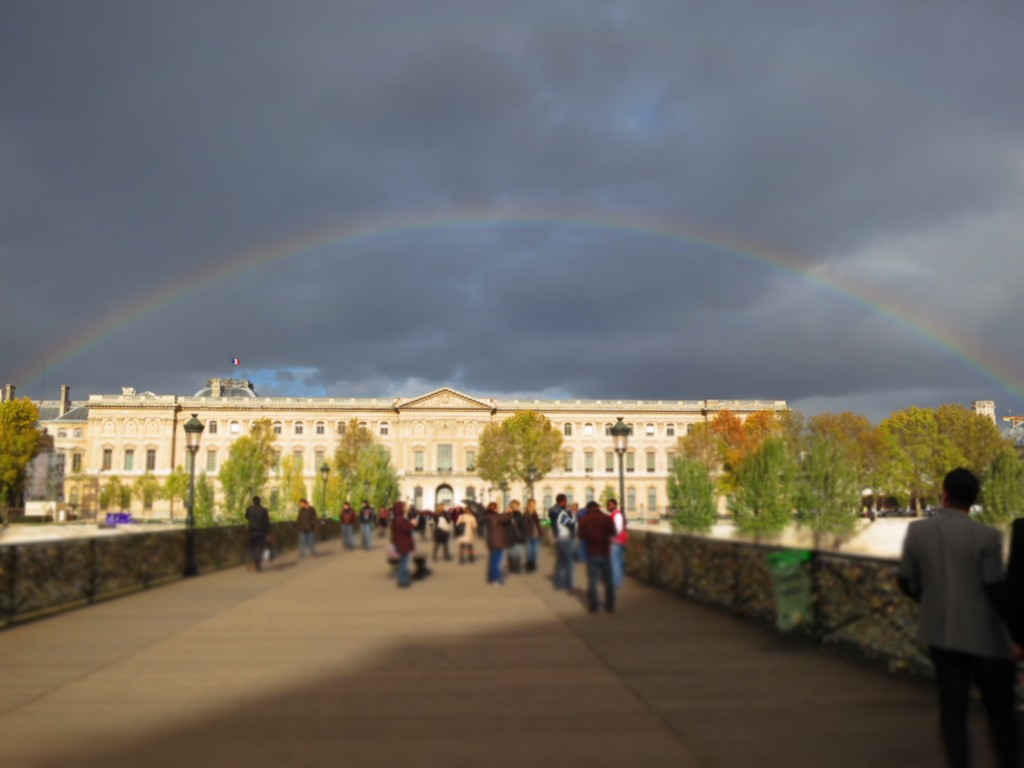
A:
[793,599]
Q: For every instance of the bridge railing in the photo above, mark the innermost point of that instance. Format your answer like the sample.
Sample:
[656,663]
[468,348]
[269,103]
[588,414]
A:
[853,600]
[40,578]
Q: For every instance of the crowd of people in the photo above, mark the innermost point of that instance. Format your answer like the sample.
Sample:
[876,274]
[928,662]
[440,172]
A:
[512,539]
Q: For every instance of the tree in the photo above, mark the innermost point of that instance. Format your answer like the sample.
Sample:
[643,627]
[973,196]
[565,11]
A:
[701,444]
[20,440]
[1003,489]
[176,486]
[828,492]
[203,513]
[362,470]
[508,450]
[919,455]
[115,494]
[247,468]
[146,489]
[763,500]
[691,495]
[607,495]
[976,438]
[293,488]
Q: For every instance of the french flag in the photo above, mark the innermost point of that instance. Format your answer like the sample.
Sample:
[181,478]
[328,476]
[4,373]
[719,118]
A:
[235,361]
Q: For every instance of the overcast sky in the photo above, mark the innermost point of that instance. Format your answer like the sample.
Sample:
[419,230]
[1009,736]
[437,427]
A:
[818,202]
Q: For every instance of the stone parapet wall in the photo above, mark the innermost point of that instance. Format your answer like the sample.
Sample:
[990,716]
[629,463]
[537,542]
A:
[40,578]
[854,600]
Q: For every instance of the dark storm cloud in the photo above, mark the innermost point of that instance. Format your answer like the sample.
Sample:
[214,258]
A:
[140,144]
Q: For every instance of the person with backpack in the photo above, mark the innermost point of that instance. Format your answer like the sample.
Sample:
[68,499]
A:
[516,537]
[442,532]
[366,519]
[563,525]
[618,548]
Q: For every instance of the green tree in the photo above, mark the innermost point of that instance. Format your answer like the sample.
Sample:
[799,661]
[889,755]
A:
[376,477]
[1003,489]
[176,486]
[247,468]
[828,492]
[607,495]
[362,470]
[147,489]
[976,438]
[691,495]
[20,439]
[115,494]
[765,485]
[509,449]
[293,488]
[204,512]
[919,455]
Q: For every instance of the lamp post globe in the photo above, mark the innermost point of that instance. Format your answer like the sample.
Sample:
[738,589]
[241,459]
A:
[193,432]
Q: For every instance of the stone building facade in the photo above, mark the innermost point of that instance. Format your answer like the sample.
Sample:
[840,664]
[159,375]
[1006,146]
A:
[433,440]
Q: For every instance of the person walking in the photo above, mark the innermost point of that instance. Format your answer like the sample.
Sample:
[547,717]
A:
[307,524]
[465,535]
[366,518]
[596,529]
[496,526]
[534,533]
[348,526]
[953,566]
[564,528]
[618,551]
[383,521]
[259,528]
[401,538]
[516,537]
[442,532]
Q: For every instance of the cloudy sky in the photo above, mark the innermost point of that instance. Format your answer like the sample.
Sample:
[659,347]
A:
[821,202]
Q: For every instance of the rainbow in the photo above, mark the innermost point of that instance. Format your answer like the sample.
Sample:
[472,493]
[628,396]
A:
[947,339]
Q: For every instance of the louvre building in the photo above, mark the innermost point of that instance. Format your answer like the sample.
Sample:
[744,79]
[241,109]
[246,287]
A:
[433,440]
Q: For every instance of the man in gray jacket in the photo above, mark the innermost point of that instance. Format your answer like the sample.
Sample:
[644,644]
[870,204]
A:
[953,566]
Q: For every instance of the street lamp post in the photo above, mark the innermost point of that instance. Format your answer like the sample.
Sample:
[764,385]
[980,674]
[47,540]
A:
[325,470]
[193,431]
[620,437]
[531,478]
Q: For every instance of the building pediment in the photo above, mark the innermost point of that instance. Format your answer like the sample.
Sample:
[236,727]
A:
[444,399]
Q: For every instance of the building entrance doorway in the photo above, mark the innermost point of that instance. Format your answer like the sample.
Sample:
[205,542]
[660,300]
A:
[444,495]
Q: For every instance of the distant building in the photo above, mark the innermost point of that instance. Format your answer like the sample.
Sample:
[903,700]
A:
[433,439]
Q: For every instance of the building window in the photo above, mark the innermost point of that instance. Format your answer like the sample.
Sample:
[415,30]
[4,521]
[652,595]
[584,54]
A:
[299,427]
[129,459]
[417,497]
[211,460]
[318,459]
[590,495]
[567,429]
[78,432]
[278,428]
[670,460]
[651,461]
[74,496]
[689,429]
[297,458]
[631,462]
[444,458]
[76,462]
[362,424]
[670,430]
[341,427]
[549,499]
[650,431]
[211,427]
[417,460]
[652,501]
[607,429]
[471,460]
[588,461]
[471,493]
[235,428]
[588,430]
[383,429]
[62,433]
[320,428]
[150,459]
[567,461]
[569,495]
[631,499]
[609,461]
[277,461]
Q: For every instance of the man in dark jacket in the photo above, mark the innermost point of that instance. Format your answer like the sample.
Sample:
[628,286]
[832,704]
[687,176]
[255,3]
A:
[366,519]
[307,529]
[596,530]
[259,529]
[496,525]
[401,537]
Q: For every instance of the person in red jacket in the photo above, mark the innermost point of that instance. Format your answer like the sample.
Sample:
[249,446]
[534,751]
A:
[402,529]
[596,529]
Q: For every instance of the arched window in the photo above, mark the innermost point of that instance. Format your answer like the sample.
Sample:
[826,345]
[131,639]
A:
[567,429]
[321,428]
[549,498]
[651,461]
[471,493]
[689,429]
[278,428]
[590,494]
[568,495]
[670,430]
[341,427]
[211,427]
[588,430]
[652,501]
[235,428]
[383,429]
[650,431]
[631,499]
[417,497]
[299,427]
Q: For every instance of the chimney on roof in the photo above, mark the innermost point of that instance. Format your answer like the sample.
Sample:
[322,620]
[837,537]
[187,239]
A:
[216,387]
[8,394]
[65,399]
